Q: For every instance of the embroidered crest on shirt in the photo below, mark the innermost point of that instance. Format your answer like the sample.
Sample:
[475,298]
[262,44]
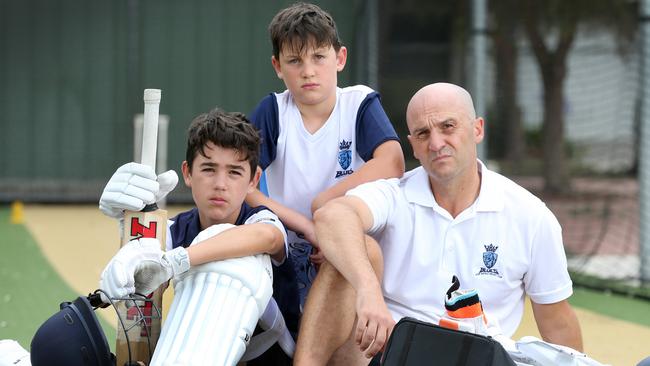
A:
[345,158]
[490,257]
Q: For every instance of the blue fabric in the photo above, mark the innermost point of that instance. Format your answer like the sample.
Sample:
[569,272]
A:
[265,119]
[263,188]
[373,126]
[186,227]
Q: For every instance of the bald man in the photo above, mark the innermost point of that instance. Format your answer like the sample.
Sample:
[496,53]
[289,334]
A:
[450,216]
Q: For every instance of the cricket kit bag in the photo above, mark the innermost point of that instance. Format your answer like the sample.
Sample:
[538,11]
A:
[414,342]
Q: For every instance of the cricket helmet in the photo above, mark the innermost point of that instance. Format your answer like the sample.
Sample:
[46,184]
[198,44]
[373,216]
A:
[72,336]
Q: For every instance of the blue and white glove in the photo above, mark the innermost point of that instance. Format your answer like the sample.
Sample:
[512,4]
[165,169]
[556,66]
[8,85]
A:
[133,186]
[140,266]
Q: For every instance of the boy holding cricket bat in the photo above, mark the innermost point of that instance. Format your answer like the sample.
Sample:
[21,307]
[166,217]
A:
[220,169]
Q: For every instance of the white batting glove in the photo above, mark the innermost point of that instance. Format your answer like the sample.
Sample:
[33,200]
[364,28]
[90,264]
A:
[140,266]
[133,186]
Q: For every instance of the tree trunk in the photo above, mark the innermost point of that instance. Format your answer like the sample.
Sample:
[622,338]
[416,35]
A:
[457,69]
[552,65]
[554,165]
[507,105]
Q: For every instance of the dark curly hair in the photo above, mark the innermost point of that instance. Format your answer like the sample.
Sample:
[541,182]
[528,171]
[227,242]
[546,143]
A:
[224,129]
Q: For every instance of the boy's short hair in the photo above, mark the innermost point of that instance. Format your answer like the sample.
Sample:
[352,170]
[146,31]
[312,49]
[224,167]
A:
[300,24]
[224,129]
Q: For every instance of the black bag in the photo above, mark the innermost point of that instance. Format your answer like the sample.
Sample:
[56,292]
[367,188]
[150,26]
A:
[414,342]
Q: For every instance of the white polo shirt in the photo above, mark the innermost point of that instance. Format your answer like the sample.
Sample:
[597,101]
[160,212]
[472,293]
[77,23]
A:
[505,245]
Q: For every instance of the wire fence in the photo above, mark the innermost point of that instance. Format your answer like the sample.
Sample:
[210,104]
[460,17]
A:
[600,217]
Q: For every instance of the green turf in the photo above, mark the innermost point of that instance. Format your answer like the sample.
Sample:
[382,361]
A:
[615,306]
[30,289]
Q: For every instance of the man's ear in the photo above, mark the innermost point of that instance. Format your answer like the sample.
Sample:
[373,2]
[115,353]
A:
[255,180]
[479,129]
[187,175]
[276,66]
[410,138]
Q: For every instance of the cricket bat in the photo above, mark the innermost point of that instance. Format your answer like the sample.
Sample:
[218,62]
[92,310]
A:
[151,222]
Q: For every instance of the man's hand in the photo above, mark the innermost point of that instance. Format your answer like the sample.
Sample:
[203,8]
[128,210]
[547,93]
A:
[308,233]
[140,266]
[133,186]
[374,322]
[317,257]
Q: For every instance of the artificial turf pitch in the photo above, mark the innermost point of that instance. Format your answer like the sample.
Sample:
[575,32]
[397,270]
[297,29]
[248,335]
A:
[30,289]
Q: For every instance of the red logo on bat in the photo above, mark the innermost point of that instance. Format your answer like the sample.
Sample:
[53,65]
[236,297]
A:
[140,231]
[142,312]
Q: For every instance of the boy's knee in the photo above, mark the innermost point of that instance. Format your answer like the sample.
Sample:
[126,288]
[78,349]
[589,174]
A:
[327,272]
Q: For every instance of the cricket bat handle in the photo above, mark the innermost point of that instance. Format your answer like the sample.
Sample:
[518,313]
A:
[150,128]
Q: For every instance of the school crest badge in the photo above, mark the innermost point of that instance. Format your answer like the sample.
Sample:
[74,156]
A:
[490,255]
[490,258]
[345,155]
[345,159]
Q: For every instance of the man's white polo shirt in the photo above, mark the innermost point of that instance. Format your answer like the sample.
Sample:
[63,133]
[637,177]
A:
[505,245]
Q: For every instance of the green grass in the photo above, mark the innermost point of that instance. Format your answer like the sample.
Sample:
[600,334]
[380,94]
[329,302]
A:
[615,306]
[30,289]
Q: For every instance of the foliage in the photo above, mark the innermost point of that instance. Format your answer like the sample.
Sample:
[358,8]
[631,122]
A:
[551,27]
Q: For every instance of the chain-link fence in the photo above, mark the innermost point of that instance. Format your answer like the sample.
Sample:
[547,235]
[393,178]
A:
[599,210]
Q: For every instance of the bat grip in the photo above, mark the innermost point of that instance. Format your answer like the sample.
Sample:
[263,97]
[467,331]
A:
[150,127]
[150,208]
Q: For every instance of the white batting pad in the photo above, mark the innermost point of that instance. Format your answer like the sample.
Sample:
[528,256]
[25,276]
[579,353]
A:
[13,354]
[274,330]
[214,312]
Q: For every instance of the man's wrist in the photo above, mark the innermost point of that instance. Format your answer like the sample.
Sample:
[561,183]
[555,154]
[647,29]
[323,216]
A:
[371,287]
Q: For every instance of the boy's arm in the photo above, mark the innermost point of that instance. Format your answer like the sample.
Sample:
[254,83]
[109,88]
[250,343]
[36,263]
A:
[239,241]
[387,162]
[292,219]
[140,266]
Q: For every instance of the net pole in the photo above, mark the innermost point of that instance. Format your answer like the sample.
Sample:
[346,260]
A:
[479,25]
[644,153]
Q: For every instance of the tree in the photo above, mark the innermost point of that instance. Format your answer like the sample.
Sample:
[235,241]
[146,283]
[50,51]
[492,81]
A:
[507,113]
[551,27]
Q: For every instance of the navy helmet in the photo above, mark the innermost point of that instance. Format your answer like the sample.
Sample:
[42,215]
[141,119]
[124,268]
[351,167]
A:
[71,337]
